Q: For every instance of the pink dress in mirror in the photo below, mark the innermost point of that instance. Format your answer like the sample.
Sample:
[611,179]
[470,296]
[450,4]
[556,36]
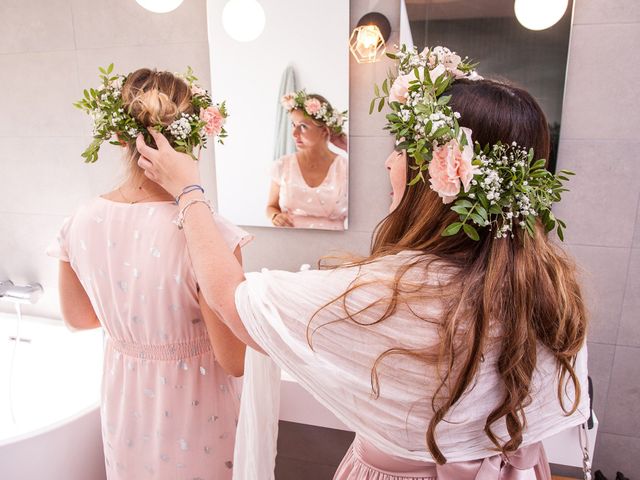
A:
[168,408]
[323,207]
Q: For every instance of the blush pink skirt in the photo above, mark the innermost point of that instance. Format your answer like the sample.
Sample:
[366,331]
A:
[363,461]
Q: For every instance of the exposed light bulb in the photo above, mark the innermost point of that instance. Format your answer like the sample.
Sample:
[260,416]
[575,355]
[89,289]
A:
[368,37]
[367,44]
[243,20]
[159,6]
[539,14]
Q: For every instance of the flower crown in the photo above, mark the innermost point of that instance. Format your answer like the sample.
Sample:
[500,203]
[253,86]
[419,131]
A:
[110,117]
[314,108]
[498,186]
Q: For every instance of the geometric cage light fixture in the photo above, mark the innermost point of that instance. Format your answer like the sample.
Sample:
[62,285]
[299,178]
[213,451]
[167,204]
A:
[368,40]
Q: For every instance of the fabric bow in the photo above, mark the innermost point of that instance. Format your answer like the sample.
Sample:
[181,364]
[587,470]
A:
[516,466]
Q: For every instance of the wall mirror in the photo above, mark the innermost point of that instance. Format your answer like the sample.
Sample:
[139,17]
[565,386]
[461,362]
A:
[535,60]
[282,166]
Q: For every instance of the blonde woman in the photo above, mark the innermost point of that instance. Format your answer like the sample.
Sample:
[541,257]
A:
[169,404]
[309,188]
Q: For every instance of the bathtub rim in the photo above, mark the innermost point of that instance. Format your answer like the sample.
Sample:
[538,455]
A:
[58,323]
[50,427]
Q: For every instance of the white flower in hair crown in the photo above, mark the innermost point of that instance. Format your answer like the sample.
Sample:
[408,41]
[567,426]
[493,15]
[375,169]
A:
[316,109]
[111,119]
[500,187]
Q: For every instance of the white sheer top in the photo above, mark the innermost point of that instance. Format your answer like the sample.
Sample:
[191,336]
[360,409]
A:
[276,307]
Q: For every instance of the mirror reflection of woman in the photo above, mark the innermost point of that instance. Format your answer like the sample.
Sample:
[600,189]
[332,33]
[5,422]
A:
[309,188]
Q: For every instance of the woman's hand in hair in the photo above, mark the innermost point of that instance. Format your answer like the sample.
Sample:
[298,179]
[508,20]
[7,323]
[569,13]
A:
[340,141]
[170,169]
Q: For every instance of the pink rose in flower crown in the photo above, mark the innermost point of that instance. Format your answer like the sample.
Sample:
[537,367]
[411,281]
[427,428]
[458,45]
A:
[400,89]
[430,58]
[288,101]
[312,106]
[451,168]
[451,63]
[214,120]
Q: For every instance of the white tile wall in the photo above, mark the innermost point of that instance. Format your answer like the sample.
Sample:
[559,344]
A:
[35,26]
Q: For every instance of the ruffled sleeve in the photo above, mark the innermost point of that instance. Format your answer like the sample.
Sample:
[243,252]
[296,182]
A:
[59,248]
[233,235]
[275,171]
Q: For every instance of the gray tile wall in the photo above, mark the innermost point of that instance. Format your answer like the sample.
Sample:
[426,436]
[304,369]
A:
[50,50]
[599,142]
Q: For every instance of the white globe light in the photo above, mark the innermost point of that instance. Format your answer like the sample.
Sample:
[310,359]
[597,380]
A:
[243,20]
[539,14]
[159,6]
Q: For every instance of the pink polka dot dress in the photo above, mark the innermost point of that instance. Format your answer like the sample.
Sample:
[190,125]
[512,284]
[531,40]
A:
[324,207]
[169,410]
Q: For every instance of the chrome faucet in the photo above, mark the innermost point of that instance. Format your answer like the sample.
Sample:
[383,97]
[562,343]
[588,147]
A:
[20,293]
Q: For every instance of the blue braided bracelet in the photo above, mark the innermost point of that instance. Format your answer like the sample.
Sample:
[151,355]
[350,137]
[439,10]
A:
[187,189]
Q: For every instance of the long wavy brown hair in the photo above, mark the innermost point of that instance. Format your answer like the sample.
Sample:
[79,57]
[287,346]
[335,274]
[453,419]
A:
[526,286]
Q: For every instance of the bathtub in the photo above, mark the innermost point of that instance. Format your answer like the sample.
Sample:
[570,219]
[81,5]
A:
[49,401]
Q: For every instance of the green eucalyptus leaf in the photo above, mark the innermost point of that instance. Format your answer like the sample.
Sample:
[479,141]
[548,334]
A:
[416,179]
[444,99]
[495,209]
[477,219]
[539,164]
[459,209]
[443,86]
[471,232]
[441,131]
[452,229]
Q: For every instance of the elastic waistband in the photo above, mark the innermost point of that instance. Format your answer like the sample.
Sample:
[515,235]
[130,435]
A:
[167,351]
